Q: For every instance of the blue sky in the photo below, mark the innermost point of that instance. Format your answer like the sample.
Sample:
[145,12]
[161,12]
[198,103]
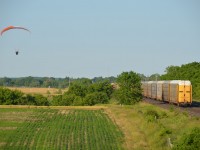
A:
[88,38]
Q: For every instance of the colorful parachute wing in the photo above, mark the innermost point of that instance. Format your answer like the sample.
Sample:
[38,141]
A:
[13,27]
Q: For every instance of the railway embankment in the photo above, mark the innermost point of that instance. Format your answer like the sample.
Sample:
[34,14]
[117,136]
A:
[193,110]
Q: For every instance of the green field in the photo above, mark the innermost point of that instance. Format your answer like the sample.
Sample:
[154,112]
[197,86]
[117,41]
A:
[74,129]
[141,126]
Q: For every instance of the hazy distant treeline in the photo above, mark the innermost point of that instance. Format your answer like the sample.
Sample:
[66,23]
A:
[48,81]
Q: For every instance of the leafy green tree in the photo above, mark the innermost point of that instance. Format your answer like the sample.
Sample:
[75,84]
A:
[78,89]
[10,97]
[154,77]
[130,90]
[30,99]
[172,73]
[78,101]
[56,101]
[143,77]
[90,99]
[3,95]
[96,98]
[101,97]
[68,99]
[17,97]
[103,86]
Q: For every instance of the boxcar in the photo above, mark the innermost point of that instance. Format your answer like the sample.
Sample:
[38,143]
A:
[180,92]
[174,91]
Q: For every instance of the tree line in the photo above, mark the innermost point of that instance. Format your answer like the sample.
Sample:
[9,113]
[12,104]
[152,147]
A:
[46,81]
[82,92]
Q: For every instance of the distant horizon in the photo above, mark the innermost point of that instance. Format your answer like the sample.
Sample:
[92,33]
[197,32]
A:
[72,76]
[88,77]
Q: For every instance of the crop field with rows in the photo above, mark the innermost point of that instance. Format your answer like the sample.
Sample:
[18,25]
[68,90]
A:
[74,129]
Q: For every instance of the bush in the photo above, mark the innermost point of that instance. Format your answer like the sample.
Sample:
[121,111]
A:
[151,115]
[78,89]
[10,97]
[41,100]
[78,101]
[189,141]
[163,115]
[90,99]
[67,99]
[101,97]
[104,87]
[96,98]
[56,101]
[164,131]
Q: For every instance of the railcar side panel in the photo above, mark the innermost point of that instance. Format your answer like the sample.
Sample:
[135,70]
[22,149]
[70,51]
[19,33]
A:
[188,94]
[159,92]
[166,90]
[173,93]
[154,90]
[181,93]
[145,89]
[149,89]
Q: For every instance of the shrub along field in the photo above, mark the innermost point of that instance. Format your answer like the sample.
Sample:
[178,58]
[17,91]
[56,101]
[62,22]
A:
[23,128]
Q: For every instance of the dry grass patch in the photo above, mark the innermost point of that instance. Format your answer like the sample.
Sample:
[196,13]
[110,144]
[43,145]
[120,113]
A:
[2,144]
[14,116]
[8,128]
[43,91]
[64,112]
[135,138]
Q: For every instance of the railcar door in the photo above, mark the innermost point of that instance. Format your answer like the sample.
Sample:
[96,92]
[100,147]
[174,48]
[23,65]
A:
[188,94]
[181,97]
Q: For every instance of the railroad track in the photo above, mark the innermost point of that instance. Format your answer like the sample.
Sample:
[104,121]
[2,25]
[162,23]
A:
[193,110]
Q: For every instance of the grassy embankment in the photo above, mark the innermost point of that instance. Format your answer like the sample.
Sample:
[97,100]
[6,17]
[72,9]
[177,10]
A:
[144,126]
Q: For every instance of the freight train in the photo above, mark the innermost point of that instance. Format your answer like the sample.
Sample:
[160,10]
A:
[174,91]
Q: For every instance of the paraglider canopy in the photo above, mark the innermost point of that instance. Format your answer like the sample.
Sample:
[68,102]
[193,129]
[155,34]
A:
[13,27]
